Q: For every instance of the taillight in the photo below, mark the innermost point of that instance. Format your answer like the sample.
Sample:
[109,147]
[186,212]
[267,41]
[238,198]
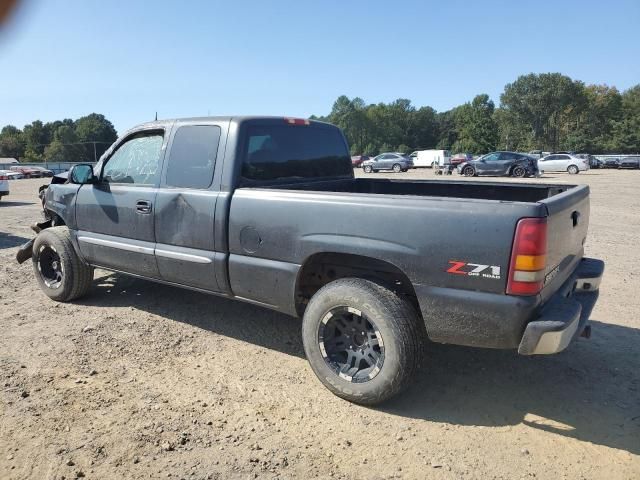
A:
[297,121]
[528,257]
[3,177]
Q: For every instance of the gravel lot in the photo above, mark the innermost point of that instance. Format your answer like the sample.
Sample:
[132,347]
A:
[140,380]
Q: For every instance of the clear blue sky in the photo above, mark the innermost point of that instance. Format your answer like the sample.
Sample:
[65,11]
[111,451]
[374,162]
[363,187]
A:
[128,59]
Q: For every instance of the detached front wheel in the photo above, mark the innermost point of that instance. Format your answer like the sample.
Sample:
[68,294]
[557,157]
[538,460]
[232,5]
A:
[61,274]
[363,341]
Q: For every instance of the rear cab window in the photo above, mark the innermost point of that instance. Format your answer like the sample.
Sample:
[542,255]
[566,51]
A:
[192,156]
[279,152]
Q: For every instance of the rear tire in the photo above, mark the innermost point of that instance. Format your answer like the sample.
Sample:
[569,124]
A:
[397,168]
[518,171]
[60,272]
[363,342]
[468,171]
[573,170]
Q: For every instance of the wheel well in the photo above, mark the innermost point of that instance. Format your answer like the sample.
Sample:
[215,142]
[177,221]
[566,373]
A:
[56,220]
[322,268]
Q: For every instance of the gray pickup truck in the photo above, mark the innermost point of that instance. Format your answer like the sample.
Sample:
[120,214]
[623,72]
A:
[267,210]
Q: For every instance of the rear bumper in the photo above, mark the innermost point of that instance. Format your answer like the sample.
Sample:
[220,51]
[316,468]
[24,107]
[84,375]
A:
[493,320]
[566,314]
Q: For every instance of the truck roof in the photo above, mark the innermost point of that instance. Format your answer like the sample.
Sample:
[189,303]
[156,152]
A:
[223,118]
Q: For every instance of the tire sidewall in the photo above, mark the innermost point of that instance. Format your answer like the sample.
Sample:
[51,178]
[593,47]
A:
[468,172]
[573,170]
[367,169]
[377,312]
[48,239]
[397,168]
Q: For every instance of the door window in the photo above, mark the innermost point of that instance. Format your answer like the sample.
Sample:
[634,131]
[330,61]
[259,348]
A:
[192,157]
[136,161]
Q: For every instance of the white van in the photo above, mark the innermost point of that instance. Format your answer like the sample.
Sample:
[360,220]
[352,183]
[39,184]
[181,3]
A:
[430,158]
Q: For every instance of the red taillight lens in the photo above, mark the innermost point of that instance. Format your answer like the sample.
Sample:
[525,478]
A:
[528,257]
[4,177]
[297,121]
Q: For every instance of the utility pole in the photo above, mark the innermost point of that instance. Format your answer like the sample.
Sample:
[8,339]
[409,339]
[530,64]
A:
[95,157]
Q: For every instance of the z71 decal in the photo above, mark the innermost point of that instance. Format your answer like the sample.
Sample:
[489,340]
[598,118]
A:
[474,269]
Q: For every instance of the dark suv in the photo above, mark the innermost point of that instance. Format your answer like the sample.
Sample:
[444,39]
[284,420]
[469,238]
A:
[510,164]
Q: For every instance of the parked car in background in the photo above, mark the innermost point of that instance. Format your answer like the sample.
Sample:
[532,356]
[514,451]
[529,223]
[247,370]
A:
[4,185]
[537,154]
[356,160]
[11,175]
[591,160]
[630,162]
[459,158]
[28,172]
[430,158]
[395,161]
[44,171]
[563,162]
[611,163]
[499,164]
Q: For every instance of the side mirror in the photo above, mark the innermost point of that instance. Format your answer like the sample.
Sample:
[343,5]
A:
[82,174]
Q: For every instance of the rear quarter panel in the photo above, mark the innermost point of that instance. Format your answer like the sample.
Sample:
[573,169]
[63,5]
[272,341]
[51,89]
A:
[277,230]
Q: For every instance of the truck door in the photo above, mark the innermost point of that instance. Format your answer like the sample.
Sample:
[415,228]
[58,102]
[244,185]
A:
[114,216]
[185,207]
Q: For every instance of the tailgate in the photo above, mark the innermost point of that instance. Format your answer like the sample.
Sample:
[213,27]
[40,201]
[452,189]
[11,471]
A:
[567,225]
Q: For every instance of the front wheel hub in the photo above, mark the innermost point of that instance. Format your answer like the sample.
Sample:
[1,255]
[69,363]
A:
[351,344]
[50,266]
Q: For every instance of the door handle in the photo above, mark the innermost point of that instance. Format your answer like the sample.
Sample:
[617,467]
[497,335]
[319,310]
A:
[143,206]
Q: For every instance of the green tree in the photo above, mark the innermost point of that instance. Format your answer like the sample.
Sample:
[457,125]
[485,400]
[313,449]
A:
[512,135]
[625,136]
[423,133]
[12,144]
[56,152]
[94,128]
[36,139]
[548,103]
[447,130]
[477,130]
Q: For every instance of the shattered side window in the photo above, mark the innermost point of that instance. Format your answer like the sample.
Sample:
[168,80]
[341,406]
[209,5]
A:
[136,161]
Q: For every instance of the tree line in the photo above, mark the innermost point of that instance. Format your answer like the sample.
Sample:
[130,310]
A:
[548,112]
[67,140]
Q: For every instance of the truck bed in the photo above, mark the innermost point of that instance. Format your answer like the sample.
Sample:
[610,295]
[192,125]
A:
[512,192]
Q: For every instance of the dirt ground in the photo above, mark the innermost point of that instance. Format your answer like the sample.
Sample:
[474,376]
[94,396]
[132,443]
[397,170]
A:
[140,380]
